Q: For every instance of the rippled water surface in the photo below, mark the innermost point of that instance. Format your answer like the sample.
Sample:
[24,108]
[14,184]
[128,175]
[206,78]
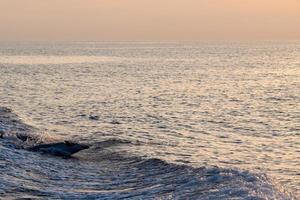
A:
[165,120]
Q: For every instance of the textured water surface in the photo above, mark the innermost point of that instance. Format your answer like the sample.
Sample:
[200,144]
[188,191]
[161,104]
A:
[165,120]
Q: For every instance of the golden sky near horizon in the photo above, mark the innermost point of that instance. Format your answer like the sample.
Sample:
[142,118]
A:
[153,20]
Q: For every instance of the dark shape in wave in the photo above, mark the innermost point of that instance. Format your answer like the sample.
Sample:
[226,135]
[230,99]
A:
[64,149]
[20,135]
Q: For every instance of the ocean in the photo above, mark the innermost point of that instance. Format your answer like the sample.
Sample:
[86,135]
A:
[206,120]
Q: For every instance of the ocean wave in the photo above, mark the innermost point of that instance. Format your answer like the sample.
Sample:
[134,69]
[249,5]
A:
[106,172]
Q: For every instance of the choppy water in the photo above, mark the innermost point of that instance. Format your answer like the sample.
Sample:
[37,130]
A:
[171,120]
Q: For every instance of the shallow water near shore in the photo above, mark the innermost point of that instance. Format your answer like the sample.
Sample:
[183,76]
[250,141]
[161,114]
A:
[165,120]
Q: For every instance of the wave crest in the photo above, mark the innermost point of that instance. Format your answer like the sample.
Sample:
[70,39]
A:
[105,171]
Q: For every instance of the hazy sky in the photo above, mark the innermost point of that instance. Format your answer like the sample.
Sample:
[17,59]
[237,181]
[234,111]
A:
[149,20]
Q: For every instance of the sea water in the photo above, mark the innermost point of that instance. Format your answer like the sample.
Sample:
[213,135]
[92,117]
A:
[215,120]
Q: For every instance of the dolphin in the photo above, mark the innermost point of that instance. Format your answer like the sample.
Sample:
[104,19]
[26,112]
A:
[64,149]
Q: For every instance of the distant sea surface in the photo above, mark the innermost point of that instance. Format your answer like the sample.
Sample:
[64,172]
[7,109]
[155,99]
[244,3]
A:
[164,120]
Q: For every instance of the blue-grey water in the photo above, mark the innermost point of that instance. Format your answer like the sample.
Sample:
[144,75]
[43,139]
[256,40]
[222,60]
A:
[164,120]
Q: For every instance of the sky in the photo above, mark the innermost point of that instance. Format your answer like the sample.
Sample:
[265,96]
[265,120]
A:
[149,20]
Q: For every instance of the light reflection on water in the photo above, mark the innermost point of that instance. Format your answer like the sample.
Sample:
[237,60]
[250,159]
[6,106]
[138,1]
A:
[229,105]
